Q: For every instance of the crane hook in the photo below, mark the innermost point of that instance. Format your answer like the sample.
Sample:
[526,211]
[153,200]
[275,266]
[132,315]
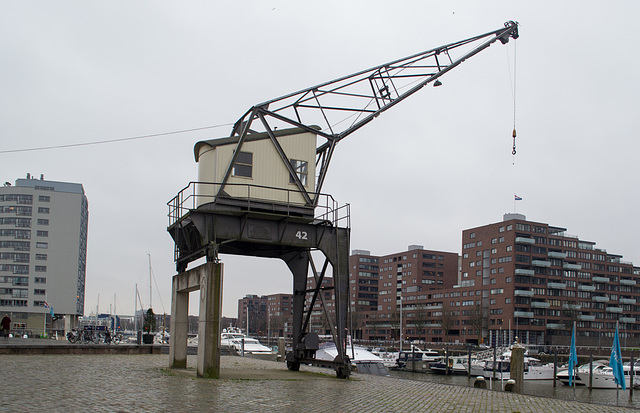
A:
[513,152]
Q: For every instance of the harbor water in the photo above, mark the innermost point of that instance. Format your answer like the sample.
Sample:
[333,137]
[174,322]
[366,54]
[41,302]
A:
[541,388]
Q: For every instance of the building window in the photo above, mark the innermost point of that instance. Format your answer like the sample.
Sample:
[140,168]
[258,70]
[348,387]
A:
[44,198]
[40,280]
[43,245]
[301,169]
[43,221]
[39,292]
[42,233]
[41,268]
[43,210]
[41,257]
[243,165]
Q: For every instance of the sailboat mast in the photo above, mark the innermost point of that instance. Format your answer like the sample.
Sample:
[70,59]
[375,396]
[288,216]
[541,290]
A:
[150,284]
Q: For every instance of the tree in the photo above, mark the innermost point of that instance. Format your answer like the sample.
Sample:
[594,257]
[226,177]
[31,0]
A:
[149,325]
[446,322]
[420,321]
[479,320]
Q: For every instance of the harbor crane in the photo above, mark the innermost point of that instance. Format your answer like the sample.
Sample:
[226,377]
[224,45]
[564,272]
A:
[225,219]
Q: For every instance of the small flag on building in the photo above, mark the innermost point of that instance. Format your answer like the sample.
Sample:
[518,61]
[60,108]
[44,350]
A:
[615,362]
[50,308]
[517,198]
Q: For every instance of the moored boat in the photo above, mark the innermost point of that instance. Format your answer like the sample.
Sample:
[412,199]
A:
[601,375]
[455,365]
[362,359]
[533,368]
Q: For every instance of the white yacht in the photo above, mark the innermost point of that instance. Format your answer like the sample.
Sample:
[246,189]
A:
[602,375]
[534,369]
[361,358]
[228,335]
[389,357]
[454,365]
[416,354]
[250,347]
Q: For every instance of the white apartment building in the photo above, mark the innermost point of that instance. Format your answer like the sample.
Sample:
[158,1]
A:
[43,249]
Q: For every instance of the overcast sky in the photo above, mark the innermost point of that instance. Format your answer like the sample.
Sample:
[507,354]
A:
[436,164]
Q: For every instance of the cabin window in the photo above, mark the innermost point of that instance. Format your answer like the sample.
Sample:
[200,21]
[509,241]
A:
[301,168]
[243,165]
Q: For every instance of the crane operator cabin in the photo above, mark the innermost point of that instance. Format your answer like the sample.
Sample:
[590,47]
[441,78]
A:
[258,174]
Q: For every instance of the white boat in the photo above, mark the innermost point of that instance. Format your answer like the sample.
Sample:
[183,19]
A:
[602,376]
[389,358]
[454,365]
[415,354]
[250,347]
[228,335]
[534,369]
[361,358]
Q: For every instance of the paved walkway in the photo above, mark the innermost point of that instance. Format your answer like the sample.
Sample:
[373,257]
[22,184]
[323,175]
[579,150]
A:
[125,383]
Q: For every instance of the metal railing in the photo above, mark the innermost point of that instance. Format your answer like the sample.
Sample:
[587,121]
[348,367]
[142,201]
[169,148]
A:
[255,197]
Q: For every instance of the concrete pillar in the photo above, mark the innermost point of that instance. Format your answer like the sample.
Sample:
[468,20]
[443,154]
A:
[179,325]
[517,367]
[209,323]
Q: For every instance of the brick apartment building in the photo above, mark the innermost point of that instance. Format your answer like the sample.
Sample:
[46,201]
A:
[390,288]
[514,278]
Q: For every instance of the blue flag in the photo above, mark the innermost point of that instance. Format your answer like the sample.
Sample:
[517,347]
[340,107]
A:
[573,356]
[615,362]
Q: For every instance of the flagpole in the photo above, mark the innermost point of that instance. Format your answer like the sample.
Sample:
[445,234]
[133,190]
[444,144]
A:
[573,360]
[575,365]
[617,346]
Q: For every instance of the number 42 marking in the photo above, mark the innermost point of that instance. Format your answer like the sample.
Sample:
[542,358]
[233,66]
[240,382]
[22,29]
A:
[301,234]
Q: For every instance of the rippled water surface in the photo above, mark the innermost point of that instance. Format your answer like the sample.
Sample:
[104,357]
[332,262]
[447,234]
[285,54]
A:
[542,388]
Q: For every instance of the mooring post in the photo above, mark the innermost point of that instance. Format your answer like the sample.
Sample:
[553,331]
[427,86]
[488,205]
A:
[591,371]
[517,367]
[555,367]
[631,374]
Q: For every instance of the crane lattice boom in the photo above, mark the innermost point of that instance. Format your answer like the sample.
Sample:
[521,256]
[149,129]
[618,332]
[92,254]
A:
[344,105]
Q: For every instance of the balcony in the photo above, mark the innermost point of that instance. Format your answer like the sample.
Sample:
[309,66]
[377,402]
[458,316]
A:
[616,310]
[574,267]
[597,279]
[523,314]
[522,240]
[540,304]
[586,317]
[600,299]
[627,301]
[541,263]
[572,306]
[433,307]
[559,255]
[522,271]
[555,326]
[556,286]
[586,287]
[627,319]
[625,281]
[523,293]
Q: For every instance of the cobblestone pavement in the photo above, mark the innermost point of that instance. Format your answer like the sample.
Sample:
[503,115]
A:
[126,383]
